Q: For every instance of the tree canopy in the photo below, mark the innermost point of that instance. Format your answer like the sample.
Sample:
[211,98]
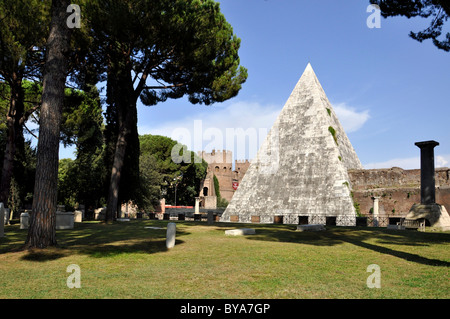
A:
[156,152]
[153,51]
[438,11]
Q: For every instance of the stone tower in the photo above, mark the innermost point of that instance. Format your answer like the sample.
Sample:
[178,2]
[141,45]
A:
[220,165]
[300,170]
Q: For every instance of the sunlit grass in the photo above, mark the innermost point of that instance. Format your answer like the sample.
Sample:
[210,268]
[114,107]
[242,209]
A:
[127,260]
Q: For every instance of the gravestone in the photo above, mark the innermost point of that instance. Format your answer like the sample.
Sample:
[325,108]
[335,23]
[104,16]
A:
[170,235]
[310,227]
[240,232]
[2,218]
[100,213]
[65,220]
[24,220]
[78,216]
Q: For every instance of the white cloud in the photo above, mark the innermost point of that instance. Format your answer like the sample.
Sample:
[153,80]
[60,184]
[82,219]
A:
[408,163]
[442,161]
[240,127]
[350,119]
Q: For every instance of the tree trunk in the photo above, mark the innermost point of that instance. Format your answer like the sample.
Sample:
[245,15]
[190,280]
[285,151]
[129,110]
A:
[125,128]
[15,113]
[121,94]
[42,230]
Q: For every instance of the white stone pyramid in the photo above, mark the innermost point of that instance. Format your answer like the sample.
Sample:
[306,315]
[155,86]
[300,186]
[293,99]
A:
[301,168]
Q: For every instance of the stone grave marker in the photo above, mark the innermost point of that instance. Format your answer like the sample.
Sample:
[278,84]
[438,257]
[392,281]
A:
[24,220]
[170,235]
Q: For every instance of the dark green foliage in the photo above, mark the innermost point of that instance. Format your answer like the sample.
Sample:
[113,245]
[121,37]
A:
[156,151]
[155,50]
[437,10]
[216,186]
[333,133]
[221,202]
[83,127]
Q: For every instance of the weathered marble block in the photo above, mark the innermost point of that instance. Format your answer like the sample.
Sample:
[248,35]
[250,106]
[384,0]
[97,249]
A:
[170,235]
[65,220]
[78,216]
[24,220]
[240,232]
[311,227]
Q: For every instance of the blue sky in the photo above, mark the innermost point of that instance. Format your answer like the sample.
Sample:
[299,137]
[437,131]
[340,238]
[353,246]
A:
[388,90]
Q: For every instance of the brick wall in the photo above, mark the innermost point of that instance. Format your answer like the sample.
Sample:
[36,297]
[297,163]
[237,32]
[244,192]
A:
[397,189]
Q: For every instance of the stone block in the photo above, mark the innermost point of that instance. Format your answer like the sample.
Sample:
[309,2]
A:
[240,232]
[170,235]
[65,220]
[78,216]
[24,220]
[311,227]
[100,213]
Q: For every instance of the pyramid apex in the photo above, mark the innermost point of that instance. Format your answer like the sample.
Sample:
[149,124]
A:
[309,69]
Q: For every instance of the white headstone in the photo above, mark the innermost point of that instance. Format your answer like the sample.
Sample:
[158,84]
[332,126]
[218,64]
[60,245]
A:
[2,220]
[78,216]
[240,232]
[170,236]
[197,205]
[24,220]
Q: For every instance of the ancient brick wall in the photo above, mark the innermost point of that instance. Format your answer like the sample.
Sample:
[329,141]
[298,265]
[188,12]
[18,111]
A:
[397,189]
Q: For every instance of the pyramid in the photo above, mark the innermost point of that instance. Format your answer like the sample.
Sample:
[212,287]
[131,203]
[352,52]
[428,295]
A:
[300,170]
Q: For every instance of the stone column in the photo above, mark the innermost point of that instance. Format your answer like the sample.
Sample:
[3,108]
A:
[427,179]
[197,205]
[375,211]
[170,235]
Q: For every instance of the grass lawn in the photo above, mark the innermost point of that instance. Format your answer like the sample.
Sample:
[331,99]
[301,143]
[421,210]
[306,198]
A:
[127,260]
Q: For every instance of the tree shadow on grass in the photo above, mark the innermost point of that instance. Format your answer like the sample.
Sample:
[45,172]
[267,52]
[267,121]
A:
[358,236]
[98,240]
